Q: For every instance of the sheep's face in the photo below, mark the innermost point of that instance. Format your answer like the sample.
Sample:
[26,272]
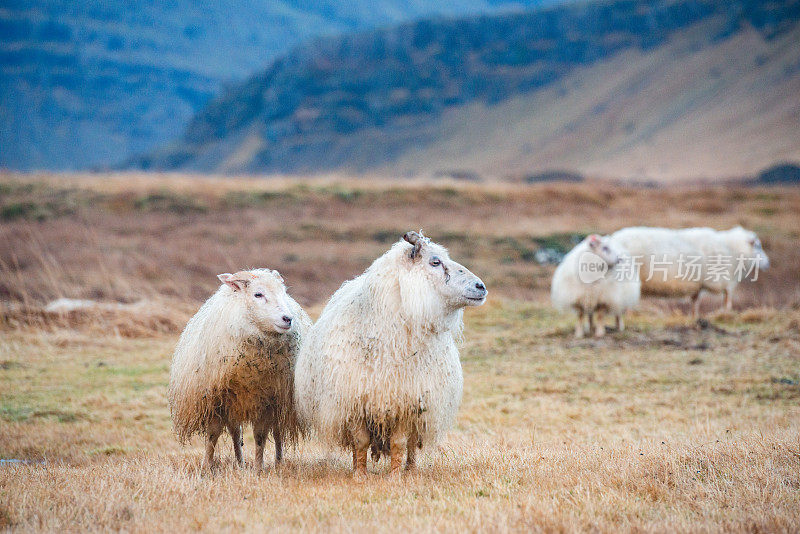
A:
[264,296]
[433,273]
[748,246]
[605,248]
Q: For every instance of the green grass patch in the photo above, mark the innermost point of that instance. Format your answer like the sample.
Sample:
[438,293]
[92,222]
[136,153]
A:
[17,413]
[24,210]
[166,201]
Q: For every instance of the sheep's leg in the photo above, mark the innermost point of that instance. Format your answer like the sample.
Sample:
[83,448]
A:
[261,427]
[213,432]
[411,455]
[696,304]
[398,445]
[360,468]
[360,447]
[728,299]
[579,331]
[276,435]
[600,329]
[620,323]
[235,431]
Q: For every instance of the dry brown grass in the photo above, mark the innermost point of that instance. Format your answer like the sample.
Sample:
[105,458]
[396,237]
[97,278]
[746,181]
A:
[129,237]
[669,425]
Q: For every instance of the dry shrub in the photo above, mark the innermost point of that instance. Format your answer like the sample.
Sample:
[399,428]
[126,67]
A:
[5,518]
[708,206]
[794,323]
[757,315]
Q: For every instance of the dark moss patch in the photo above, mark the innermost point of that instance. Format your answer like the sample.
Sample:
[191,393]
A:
[170,202]
[24,210]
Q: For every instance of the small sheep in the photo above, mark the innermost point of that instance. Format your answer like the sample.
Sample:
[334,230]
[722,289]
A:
[234,364]
[596,277]
[380,367]
[686,262]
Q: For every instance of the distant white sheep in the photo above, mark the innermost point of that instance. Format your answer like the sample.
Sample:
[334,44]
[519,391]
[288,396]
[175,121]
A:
[380,367]
[594,278]
[686,262]
[234,364]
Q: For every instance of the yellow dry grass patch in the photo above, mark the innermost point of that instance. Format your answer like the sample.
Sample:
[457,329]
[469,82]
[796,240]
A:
[669,425]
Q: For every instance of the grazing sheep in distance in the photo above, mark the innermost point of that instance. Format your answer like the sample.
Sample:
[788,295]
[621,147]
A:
[234,364]
[677,263]
[380,367]
[596,277]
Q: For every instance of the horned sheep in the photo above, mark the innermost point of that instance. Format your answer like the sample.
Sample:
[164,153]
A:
[234,364]
[688,261]
[594,278]
[380,367]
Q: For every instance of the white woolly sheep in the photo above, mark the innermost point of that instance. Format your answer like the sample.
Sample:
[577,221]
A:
[234,364]
[594,278]
[676,263]
[380,367]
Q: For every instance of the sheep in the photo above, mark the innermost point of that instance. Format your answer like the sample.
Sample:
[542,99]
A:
[677,263]
[380,368]
[234,364]
[596,277]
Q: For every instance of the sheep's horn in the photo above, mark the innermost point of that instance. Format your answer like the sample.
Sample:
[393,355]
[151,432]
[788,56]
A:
[415,239]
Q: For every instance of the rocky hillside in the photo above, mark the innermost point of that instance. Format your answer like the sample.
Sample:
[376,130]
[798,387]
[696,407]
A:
[594,87]
[92,82]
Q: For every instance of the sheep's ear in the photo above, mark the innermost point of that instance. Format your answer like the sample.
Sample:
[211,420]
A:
[277,275]
[234,283]
[594,240]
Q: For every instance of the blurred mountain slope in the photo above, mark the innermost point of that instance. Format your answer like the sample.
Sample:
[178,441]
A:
[725,110]
[664,89]
[92,82]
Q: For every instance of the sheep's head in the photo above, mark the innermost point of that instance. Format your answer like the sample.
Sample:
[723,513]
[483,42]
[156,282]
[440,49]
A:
[747,245]
[605,248]
[263,294]
[431,273]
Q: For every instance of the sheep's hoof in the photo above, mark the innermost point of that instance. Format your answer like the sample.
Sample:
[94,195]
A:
[411,468]
[211,470]
[209,466]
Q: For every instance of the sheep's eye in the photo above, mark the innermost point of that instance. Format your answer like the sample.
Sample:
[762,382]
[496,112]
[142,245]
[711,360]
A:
[259,295]
[435,262]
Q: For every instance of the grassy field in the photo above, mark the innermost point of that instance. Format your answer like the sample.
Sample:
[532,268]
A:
[669,425]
